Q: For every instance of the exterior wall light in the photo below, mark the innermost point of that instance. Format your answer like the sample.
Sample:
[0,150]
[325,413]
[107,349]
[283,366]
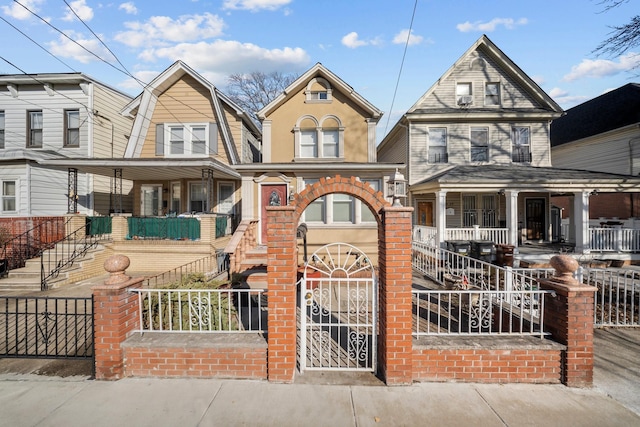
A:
[397,188]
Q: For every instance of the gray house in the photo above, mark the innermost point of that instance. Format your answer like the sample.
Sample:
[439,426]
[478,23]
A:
[478,157]
[57,116]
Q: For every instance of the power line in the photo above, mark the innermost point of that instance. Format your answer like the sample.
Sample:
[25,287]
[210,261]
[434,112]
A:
[406,45]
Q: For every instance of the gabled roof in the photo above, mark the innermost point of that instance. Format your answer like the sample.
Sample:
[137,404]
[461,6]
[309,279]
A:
[319,70]
[504,63]
[613,110]
[143,105]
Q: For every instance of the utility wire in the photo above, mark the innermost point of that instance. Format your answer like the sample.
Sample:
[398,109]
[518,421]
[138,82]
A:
[406,45]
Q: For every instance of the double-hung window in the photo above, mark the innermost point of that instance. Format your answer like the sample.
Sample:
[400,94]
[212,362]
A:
[492,94]
[437,138]
[186,139]
[34,129]
[479,144]
[9,196]
[72,128]
[464,94]
[343,208]
[315,212]
[309,143]
[330,142]
[520,144]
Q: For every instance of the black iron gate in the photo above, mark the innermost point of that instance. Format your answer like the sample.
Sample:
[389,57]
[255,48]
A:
[46,327]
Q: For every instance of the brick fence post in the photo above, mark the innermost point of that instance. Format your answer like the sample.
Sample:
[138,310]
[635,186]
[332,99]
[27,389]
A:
[281,292]
[395,345]
[569,318]
[115,315]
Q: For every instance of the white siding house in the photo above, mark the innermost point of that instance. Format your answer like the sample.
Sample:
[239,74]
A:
[49,116]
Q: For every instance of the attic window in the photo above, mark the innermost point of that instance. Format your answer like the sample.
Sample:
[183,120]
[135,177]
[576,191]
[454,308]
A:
[318,90]
[464,95]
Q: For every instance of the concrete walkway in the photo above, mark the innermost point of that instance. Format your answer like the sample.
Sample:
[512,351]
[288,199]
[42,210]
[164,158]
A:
[41,401]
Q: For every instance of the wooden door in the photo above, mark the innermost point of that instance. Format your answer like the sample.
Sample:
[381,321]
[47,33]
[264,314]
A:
[535,219]
[271,195]
[425,213]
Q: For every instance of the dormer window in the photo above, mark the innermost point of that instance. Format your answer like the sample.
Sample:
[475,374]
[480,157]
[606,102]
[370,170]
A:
[464,94]
[318,90]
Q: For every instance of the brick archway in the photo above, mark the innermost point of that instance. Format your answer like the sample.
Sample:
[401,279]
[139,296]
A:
[394,267]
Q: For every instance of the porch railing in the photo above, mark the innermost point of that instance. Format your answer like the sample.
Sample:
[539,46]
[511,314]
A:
[202,311]
[428,234]
[174,228]
[616,239]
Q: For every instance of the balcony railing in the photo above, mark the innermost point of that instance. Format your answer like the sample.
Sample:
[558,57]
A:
[427,234]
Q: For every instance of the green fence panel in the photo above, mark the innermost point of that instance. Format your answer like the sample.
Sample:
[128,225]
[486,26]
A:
[97,225]
[164,228]
[221,226]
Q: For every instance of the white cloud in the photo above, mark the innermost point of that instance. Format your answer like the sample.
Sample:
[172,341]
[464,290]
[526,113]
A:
[129,8]
[65,48]
[81,9]
[352,41]
[539,79]
[220,58]
[603,67]
[18,12]
[145,77]
[254,5]
[401,38]
[556,92]
[160,30]
[487,27]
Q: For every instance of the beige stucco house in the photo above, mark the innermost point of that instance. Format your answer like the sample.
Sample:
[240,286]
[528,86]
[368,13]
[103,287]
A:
[318,127]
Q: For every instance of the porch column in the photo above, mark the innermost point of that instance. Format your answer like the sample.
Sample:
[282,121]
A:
[511,198]
[247,198]
[441,217]
[581,222]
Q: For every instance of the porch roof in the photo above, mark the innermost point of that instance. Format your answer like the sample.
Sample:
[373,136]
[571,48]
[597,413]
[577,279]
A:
[146,169]
[494,177]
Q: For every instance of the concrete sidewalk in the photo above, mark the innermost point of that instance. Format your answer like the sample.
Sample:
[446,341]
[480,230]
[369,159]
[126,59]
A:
[29,400]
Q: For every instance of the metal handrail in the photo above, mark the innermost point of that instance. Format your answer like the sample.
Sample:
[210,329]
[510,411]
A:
[30,244]
[64,253]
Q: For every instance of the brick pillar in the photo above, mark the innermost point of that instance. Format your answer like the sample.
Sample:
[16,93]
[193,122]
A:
[119,228]
[76,222]
[281,291]
[569,318]
[115,315]
[395,345]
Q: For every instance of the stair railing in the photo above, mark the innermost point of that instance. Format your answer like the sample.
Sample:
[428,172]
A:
[16,251]
[65,252]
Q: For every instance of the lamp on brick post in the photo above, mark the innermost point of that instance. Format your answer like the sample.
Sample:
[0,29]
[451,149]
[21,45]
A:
[397,188]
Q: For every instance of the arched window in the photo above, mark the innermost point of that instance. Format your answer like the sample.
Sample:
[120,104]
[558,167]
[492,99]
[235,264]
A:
[318,90]
[322,139]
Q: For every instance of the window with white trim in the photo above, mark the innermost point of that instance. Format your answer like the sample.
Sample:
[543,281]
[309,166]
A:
[226,203]
[338,208]
[175,197]
[71,128]
[318,90]
[520,144]
[315,212]
[437,141]
[9,196]
[365,213]
[309,143]
[319,140]
[34,126]
[342,208]
[492,94]
[186,139]
[464,94]
[197,194]
[479,144]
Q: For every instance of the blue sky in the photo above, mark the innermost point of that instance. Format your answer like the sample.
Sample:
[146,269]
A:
[362,41]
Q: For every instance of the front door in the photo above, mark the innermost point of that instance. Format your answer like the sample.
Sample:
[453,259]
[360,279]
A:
[271,195]
[151,200]
[338,311]
[425,213]
[535,219]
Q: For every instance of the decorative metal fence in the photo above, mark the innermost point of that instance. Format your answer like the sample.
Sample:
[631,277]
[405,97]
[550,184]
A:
[617,302]
[46,327]
[202,311]
[478,312]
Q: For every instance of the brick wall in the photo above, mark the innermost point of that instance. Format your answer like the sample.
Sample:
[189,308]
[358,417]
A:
[512,360]
[242,356]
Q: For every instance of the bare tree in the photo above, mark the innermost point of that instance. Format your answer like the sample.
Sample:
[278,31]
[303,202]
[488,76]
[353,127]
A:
[255,90]
[622,38]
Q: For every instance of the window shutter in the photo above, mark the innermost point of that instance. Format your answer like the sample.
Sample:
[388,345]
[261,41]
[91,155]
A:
[213,138]
[160,139]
